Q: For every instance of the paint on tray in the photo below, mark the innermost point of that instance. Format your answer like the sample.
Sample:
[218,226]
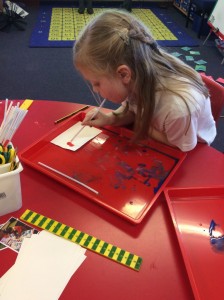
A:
[216,236]
[151,176]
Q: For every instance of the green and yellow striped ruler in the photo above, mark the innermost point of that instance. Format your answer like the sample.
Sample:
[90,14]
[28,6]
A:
[83,239]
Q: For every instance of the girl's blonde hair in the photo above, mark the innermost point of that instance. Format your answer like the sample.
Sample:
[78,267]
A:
[114,38]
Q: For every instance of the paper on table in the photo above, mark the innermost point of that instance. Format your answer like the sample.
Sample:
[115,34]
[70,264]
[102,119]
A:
[83,137]
[43,267]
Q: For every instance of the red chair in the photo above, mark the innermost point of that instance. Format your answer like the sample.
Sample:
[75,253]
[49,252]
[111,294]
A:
[216,91]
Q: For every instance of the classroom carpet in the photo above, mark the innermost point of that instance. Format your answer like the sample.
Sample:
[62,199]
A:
[60,26]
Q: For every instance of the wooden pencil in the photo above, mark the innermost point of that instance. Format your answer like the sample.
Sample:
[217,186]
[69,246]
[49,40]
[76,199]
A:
[71,114]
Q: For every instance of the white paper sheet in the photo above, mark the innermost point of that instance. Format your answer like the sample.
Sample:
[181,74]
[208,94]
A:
[87,134]
[42,269]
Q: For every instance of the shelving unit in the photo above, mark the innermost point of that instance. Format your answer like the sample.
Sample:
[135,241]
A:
[183,6]
[179,4]
[196,11]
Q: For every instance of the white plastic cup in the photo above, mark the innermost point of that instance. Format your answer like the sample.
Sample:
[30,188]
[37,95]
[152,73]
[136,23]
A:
[10,189]
[4,168]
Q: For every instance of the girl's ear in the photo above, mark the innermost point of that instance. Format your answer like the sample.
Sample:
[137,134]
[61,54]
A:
[124,72]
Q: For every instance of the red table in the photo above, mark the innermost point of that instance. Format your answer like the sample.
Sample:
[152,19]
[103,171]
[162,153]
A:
[162,274]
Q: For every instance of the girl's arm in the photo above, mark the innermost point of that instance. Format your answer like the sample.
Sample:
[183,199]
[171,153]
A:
[159,136]
[114,118]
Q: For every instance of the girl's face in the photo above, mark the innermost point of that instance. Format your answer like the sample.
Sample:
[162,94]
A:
[114,88]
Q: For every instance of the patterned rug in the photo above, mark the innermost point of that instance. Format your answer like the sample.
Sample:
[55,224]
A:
[60,26]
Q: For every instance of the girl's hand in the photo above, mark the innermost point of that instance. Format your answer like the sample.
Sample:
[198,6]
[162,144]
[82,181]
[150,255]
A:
[100,119]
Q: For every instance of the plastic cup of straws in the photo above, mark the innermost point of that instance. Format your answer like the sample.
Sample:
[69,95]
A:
[10,187]
[10,167]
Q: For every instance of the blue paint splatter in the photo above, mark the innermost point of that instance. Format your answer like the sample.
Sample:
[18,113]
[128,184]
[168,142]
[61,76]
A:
[141,173]
[216,242]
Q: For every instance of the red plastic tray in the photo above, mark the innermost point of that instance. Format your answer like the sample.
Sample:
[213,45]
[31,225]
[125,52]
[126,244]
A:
[128,178]
[192,211]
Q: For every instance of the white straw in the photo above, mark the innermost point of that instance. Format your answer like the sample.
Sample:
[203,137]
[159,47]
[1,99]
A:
[17,123]
[6,107]
[6,112]
[94,114]
[13,117]
[77,133]
[68,177]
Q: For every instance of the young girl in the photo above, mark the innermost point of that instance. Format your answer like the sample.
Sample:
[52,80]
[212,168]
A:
[163,97]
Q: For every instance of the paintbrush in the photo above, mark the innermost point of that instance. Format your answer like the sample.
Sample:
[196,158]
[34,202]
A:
[77,133]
